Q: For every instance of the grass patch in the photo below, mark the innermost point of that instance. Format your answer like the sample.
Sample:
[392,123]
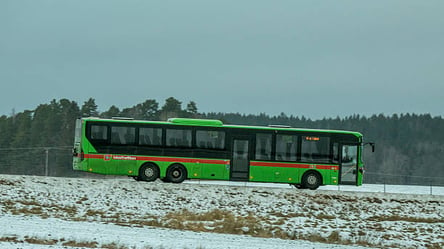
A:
[38,241]
[218,221]
[72,243]
[8,182]
[405,218]
[13,239]
[322,216]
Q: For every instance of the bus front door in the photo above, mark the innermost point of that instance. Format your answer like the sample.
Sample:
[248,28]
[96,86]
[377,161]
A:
[240,162]
[349,165]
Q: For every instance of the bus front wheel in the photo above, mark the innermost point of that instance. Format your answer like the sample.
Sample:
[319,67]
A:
[176,173]
[311,180]
[148,172]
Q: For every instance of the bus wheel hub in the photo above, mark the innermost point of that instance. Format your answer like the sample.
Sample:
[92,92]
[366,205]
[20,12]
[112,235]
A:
[149,172]
[312,179]
[176,173]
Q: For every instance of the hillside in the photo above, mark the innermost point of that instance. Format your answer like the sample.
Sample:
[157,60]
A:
[296,216]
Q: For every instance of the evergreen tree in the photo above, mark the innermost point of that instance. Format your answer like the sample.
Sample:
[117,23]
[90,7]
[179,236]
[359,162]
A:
[22,122]
[171,109]
[113,111]
[89,108]
[191,111]
[148,110]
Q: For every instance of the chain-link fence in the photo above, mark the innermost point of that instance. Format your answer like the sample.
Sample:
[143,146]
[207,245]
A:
[400,179]
[390,183]
[43,161]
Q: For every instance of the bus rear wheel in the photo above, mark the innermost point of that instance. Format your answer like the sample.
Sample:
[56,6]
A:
[311,180]
[176,173]
[148,172]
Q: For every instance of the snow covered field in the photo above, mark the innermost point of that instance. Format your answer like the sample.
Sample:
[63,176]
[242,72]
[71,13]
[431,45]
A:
[49,212]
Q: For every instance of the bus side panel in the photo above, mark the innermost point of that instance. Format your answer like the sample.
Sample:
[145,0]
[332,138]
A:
[215,171]
[261,174]
[334,177]
[326,176]
[286,175]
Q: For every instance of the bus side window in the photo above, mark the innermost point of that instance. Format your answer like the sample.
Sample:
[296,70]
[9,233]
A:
[315,149]
[178,137]
[286,147]
[123,135]
[335,155]
[99,132]
[263,146]
[210,139]
[150,136]
[115,138]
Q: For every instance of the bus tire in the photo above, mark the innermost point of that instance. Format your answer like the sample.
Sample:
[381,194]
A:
[148,172]
[311,180]
[176,173]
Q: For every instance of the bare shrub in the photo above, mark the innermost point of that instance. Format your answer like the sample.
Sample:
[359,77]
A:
[405,218]
[41,241]
[7,182]
[81,244]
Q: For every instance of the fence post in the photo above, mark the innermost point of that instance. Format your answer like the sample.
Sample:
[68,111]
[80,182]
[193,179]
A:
[384,185]
[46,161]
[431,193]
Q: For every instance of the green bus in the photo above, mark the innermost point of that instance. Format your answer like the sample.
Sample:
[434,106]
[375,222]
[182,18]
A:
[180,149]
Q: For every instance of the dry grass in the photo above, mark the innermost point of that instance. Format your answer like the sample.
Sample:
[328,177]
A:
[38,241]
[405,218]
[323,216]
[33,207]
[13,239]
[72,243]
[435,246]
[8,182]
[218,221]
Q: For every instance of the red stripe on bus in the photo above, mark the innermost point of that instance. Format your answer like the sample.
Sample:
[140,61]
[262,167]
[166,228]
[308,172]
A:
[160,159]
[281,165]
[294,165]
[183,160]
[216,161]
[94,156]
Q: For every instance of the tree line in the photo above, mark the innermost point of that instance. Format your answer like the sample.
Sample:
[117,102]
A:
[409,147]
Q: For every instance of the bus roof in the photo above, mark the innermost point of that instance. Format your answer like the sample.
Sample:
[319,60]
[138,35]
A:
[217,123]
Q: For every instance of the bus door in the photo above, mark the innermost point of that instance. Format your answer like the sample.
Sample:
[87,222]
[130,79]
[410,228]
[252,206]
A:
[240,159]
[348,171]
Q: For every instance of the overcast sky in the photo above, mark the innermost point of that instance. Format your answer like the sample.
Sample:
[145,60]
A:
[312,58]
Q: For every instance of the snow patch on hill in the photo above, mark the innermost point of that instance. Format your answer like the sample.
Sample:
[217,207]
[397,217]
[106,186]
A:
[250,214]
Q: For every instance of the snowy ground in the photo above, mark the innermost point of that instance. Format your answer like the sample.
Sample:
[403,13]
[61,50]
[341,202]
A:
[49,212]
